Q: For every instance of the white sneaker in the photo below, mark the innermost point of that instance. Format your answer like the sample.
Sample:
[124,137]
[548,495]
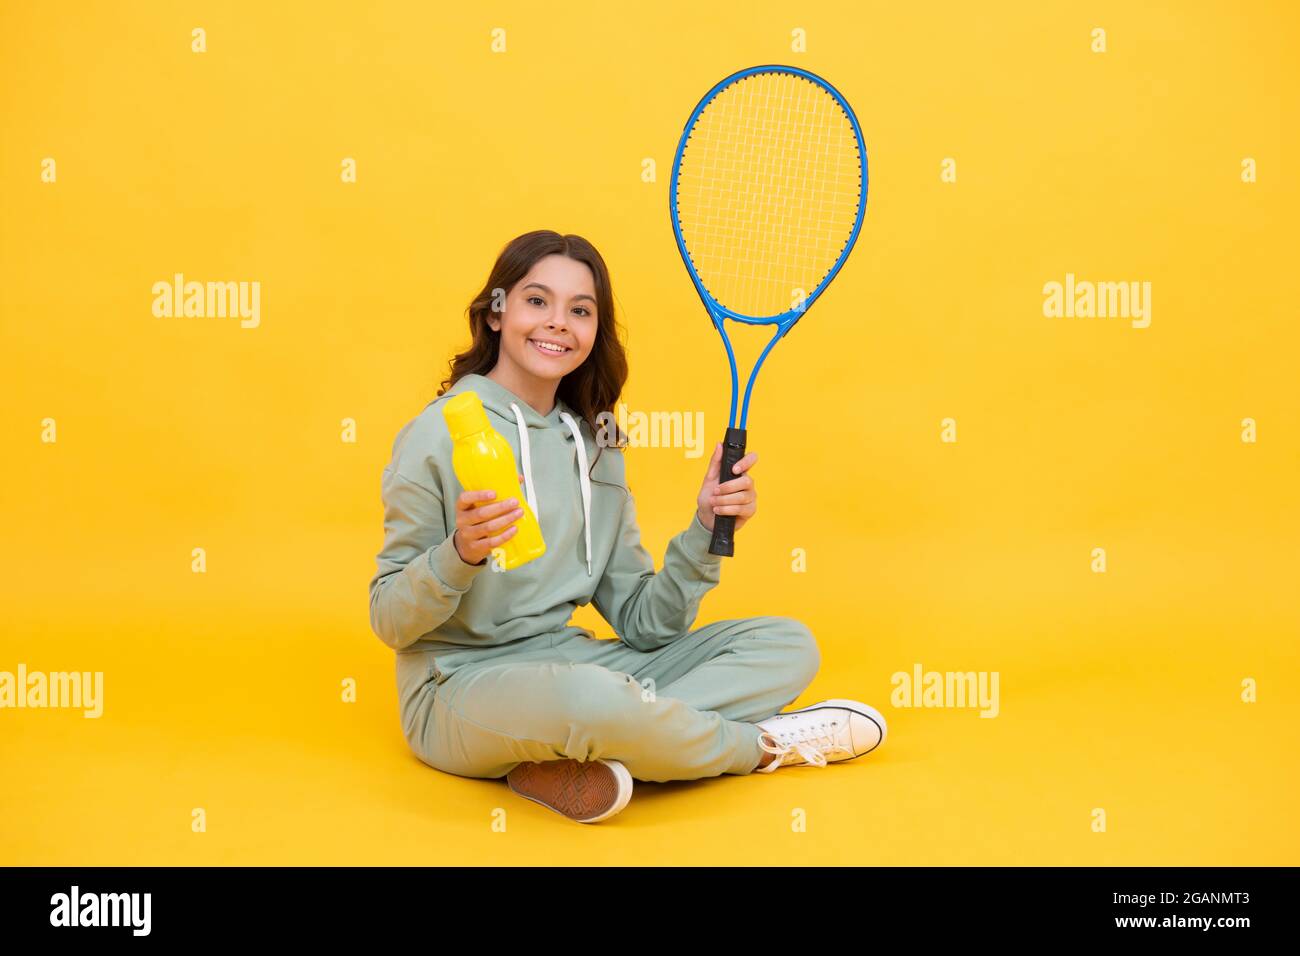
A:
[583,790]
[817,735]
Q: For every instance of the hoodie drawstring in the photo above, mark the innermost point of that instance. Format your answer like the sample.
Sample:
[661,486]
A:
[528,465]
[583,481]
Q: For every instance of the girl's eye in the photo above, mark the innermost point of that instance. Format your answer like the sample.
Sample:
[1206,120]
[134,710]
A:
[540,301]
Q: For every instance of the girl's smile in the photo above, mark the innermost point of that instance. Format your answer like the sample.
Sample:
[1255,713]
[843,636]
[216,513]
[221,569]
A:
[550,347]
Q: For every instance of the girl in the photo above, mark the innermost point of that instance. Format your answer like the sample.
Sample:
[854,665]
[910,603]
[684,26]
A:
[492,679]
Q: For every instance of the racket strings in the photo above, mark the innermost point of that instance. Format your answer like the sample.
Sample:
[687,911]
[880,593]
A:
[768,191]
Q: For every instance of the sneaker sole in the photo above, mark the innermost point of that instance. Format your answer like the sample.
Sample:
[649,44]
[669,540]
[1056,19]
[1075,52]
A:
[584,791]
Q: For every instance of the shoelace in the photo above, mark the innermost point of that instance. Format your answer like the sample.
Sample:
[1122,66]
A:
[811,741]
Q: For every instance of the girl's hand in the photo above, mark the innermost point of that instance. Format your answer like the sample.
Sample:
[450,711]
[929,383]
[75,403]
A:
[730,496]
[477,528]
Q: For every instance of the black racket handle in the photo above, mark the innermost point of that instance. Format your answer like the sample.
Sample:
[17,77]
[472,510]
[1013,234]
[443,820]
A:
[724,526]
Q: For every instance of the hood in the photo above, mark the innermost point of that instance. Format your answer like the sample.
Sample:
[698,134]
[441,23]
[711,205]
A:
[510,407]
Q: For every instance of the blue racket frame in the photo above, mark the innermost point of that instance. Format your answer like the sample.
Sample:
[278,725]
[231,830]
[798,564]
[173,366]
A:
[734,444]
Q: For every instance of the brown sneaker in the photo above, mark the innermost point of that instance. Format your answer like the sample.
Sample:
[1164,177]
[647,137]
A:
[583,790]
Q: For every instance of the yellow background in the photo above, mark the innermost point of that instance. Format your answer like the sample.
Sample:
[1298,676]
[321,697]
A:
[1119,690]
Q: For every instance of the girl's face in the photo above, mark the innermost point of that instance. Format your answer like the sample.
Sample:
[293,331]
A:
[549,323]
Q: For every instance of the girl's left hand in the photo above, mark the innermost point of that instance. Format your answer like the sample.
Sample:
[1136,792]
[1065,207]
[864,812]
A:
[728,496]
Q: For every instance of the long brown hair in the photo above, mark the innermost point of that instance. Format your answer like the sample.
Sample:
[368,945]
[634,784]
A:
[595,385]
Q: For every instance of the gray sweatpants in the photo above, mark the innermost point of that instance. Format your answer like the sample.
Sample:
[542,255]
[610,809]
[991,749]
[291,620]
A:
[680,712]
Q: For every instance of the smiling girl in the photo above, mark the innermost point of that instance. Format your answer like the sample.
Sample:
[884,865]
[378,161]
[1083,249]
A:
[493,681]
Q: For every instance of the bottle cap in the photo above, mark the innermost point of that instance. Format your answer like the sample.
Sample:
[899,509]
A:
[465,415]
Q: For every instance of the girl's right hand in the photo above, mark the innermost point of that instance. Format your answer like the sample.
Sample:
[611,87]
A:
[477,528]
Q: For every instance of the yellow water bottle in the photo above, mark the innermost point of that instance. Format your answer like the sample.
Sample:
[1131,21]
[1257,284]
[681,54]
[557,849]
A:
[483,459]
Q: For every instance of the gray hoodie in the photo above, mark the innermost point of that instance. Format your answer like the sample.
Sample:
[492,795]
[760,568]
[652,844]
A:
[424,596]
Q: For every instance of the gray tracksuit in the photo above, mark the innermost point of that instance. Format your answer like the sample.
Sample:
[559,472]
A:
[490,673]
